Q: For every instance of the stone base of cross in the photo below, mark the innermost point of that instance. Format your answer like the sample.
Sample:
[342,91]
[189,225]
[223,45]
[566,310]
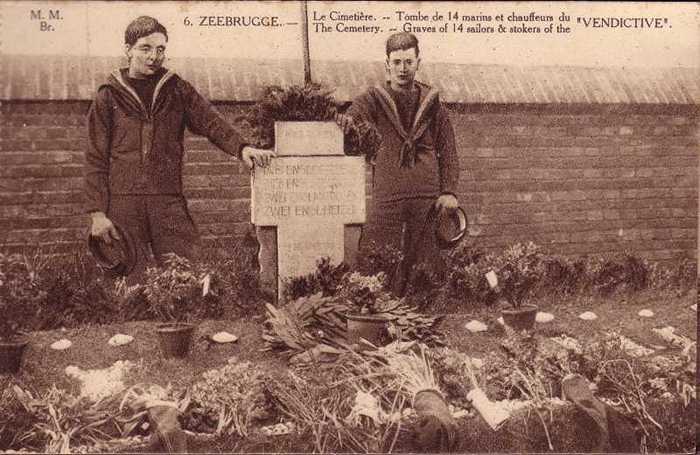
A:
[308,204]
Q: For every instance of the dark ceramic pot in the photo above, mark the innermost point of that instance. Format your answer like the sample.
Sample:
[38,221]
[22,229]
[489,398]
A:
[522,318]
[176,338]
[372,328]
[11,353]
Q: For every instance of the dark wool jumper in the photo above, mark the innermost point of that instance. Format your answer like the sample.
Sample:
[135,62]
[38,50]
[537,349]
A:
[418,162]
[137,149]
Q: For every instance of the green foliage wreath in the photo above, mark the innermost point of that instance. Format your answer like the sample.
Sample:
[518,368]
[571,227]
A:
[308,103]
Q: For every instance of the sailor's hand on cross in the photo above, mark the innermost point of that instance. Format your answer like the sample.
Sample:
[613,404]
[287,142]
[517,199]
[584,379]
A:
[257,157]
[345,122]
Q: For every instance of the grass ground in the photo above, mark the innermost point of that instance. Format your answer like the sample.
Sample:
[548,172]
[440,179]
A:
[44,366]
[615,313]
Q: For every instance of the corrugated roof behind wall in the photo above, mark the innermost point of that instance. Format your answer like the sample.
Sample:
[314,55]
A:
[77,78]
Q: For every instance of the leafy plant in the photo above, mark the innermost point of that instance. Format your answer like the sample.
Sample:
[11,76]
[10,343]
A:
[178,291]
[564,275]
[525,271]
[325,279]
[130,301]
[464,255]
[62,422]
[229,400]
[324,408]
[408,373]
[681,274]
[310,102]
[374,258]
[20,294]
[316,410]
[468,282]
[289,327]
[619,271]
[317,320]
[238,274]
[362,139]
[363,292]
[76,293]
[426,287]
[519,270]
[16,421]
[294,103]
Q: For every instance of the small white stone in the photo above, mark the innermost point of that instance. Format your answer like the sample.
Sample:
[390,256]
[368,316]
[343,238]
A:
[544,317]
[100,383]
[61,345]
[458,413]
[501,321]
[120,339]
[224,337]
[646,313]
[475,326]
[476,363]
[566,342]
[492,278]
[694,307]
[632,348]
[278,429]
[588,316]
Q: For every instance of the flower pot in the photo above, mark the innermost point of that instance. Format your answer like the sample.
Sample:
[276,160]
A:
[522,318]
[176,338]
[372,328]
[11,353]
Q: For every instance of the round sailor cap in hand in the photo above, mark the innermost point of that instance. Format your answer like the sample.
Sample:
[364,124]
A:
[119,257]
[451,228]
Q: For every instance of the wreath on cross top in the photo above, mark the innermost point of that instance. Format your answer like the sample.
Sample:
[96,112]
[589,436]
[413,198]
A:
[308,103]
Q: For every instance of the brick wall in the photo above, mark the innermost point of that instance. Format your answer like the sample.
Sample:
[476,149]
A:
[577,178]
[41,151]
[582,179]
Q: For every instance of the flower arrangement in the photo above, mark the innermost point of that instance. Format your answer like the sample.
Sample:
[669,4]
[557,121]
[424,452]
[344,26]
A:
[365,293]
[410,374]
[326,279]
[310,102]
[229,399]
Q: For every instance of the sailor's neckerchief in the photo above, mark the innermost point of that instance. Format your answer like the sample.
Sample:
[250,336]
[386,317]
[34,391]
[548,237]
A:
[410,146]
[148,112]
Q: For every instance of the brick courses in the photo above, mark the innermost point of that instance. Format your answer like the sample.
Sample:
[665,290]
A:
[604,169]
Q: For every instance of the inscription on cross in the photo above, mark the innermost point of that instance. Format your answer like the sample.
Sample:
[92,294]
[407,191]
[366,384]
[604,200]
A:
[313,196]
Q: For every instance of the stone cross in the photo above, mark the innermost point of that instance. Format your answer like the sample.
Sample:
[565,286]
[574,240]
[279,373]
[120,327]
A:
[308,204]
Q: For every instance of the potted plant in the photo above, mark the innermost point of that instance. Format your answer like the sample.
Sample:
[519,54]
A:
[176,294]
[519,317]
[364,296]
[519,272]
[20,294]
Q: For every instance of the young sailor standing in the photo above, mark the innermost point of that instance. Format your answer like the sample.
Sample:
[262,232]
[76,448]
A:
[134,159]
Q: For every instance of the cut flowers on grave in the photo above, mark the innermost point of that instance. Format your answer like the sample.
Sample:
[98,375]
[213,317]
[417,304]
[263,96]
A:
[228,400]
